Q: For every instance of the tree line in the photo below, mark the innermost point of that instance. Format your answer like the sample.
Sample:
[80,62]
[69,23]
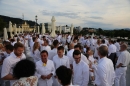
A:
[4,22]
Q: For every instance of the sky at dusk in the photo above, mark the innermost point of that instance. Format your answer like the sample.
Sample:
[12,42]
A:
[106,14]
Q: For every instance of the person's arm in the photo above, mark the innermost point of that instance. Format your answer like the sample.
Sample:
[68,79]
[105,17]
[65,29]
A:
[53,68]
[8,77]
[119,65]
[5,73]
[120,60]
[85,76]
[37,72]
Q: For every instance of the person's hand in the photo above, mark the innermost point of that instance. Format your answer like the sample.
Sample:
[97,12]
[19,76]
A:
[55,76]
[91,70]
[49,76]
[43,77]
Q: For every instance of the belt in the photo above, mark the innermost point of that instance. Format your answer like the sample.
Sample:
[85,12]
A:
[123,66]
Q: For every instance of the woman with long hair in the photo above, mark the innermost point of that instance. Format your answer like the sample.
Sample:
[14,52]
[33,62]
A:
[36,52]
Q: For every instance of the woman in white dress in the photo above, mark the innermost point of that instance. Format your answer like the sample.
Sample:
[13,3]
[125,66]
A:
[36,52]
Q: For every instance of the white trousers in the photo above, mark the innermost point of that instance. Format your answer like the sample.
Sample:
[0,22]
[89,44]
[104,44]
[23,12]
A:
[120,79]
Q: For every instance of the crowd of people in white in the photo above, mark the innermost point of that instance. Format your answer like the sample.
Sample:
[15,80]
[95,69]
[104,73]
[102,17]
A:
[95,60]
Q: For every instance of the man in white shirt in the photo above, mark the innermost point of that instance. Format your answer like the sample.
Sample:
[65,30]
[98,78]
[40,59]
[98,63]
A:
[45,70]
[105,70]
[38,39]
[59,38]
[9,62]
[84,41]
[83,57]
[112,52]
[70,54]
[80,69]
[59,60]
[121,66]
[43,39]
[9,49]
[68,38]
[32,43]
[117,44]
[87,42]
[111,48]
[106,41]
[81,38]
[46,46]
[103,43]
[53,52]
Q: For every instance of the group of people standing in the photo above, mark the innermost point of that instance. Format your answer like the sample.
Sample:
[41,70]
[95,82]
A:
[32,59]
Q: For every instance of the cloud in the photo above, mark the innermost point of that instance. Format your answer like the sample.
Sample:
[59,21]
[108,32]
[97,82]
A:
[94,17]
[61,14]
[97,24]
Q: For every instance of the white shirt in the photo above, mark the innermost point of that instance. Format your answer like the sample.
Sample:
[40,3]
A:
[105,72]
[84,58]
[84,42]
[71,59]
[45,70]
[6,54]
[96,51]
[61,61]
[124,58]
[111,49]
[91,59]
[117,46]
[104,45]
[9,64]
[26,40]
[92,42]
[39,40]
[59,38]
[70,55]
[106,41]
[36,55]
[63,40]
[88,42]
[47,48]
[52,53]
[81,74]
[81,39]
[31,46]
[69,39]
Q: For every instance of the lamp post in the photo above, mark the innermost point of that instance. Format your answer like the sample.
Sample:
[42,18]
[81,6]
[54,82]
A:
[36,22]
